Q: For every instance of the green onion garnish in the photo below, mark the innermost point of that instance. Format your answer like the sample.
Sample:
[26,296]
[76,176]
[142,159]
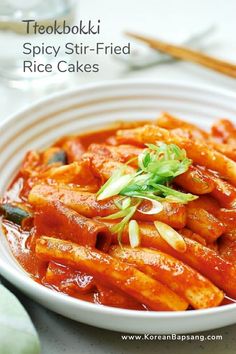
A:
[114,185]
[172,237]
[158,165]
[134,235]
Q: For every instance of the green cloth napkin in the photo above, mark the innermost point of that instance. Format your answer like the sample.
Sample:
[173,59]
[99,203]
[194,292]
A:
[17,333]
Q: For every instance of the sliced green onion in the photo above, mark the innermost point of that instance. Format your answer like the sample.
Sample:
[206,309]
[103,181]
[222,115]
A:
[144,159]
[126,203]
[156,208]
[118,173]
[172,237]
[134,234]
[121,225]
[123,203]
[114,184]
[118,203]
[119,228]
[118,215]
[174,195]
[142,195]
[158,165]
[115,187]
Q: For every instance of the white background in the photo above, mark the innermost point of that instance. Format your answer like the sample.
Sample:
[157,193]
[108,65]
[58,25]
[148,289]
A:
[172,20]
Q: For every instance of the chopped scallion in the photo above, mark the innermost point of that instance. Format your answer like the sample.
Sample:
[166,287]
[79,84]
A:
[134,234]
[158,165]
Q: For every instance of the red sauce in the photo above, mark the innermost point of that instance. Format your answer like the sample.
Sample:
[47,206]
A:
[69,282]
[19,240]
[65,280]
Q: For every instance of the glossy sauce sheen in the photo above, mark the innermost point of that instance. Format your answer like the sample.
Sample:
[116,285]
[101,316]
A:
[19,244]
[57,276]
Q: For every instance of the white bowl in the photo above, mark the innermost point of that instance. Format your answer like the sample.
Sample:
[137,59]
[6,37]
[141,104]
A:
[86,109]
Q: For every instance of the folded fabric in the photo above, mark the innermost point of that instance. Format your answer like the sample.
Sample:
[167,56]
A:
[17,332]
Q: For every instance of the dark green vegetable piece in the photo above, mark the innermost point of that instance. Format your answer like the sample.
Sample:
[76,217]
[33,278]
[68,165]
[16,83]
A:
[14,213]
[58,156]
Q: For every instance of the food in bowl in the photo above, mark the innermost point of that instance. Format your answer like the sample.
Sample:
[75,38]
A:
[140,216]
